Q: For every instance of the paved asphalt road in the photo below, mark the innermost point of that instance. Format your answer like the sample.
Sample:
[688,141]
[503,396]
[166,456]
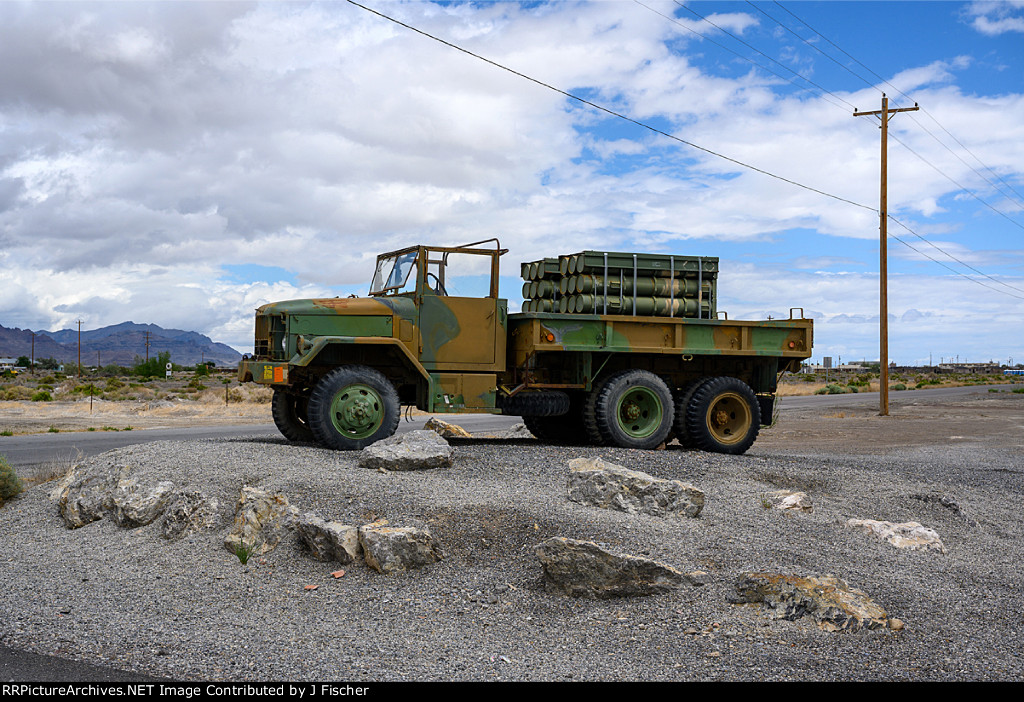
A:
[33,449]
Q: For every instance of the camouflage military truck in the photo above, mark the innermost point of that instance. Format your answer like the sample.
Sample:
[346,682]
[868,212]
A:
[616,349]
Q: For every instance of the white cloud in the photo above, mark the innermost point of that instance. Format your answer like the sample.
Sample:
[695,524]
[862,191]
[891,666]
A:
[997,17]
[145,146]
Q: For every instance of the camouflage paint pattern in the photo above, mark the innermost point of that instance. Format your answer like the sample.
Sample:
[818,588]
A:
[462,350]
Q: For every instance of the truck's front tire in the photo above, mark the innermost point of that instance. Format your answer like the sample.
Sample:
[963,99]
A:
[289,412]
[352,407]
[633,409]
[723,416]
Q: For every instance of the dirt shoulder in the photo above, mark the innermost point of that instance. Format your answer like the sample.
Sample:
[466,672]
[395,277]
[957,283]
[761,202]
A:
[102,415]
[995,419]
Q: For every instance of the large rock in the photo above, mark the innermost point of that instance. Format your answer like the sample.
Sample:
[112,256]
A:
[595,482]
[328,541]
[135,505]
[414,450]
[395,549]
[261,521]
[88,494]
[190,512]
[908,535]
[584,569]
[827,599]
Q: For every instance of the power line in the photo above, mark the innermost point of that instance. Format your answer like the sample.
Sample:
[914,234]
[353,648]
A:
[611,112]
[886,82]
[954,182]
[1019,297]
[865,80]
[752,48]
[749,60]
[680,140]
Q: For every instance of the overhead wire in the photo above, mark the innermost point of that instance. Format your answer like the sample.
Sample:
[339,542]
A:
[892,136]
[611,112]
[752,48]
[900,92]
[745,58]
[673,137]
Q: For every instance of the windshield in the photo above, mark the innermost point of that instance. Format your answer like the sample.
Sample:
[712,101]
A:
[392,274]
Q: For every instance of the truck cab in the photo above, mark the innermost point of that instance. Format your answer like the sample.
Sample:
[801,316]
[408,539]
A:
[417,339]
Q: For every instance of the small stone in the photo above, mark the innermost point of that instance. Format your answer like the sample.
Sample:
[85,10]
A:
[446,430]
[788,500]
[908,535]
[414,450]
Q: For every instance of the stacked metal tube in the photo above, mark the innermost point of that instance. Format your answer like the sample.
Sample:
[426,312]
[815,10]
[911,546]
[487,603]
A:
[605,282]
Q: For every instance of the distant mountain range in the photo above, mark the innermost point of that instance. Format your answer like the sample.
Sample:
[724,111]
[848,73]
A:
[118,344]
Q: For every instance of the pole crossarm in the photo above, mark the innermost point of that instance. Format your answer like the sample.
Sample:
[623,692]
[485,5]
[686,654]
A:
[915,108]
[883,270]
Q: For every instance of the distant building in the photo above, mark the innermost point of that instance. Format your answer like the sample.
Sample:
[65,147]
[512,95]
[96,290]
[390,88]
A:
[968,368]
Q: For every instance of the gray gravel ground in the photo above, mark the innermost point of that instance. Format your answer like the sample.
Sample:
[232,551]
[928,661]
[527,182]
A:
[191,610]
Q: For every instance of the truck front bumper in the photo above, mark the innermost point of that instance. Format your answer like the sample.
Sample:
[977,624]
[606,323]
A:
[251,370]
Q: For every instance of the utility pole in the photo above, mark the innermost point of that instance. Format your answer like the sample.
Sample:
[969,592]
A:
[883,265]
[147,347]
[79,348]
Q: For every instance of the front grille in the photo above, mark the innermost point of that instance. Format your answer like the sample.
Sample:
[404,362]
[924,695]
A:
[269,342]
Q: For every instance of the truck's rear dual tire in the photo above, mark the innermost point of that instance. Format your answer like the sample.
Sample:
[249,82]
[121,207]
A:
[563,430]
[352,407]
[290,416]
[631,409]
[722,415]
[545,403]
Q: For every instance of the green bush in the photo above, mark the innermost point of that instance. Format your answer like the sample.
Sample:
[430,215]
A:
[898,386]
[10,483]
[42,396]
[154,367]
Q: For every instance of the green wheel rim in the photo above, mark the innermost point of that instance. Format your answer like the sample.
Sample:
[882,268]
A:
[639,412]
[357,411]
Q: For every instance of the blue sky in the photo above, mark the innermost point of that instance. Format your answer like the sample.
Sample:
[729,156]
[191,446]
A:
[182,163]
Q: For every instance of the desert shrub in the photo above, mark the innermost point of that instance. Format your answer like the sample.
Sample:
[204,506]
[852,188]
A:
[898,386]
[86,390]
[42,396]
[10,483]
[16,392]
